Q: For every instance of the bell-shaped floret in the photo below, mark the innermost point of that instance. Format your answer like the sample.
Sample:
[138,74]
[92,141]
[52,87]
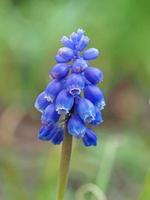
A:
[41,102]
[52,90]
[59,71]
[79,65]
[90,138]
[50,115]
[75,84]
[93,75]
[86,110]
[95,95]
[91,54]
[64,102]
[76,126]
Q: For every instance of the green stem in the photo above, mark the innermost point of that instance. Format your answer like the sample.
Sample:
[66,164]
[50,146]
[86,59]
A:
[64,165]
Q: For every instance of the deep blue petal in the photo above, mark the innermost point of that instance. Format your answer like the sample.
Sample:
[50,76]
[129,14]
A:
[52,90]
[59,71]
[58,134]
[75,84]
[67,42]
[41,102]
[86,110]
[90,138]
[64,102]
[95,95]
[45,133]
[54,133]
[79,65]
[57,139]
[91,54]
[76,126]
[50,115]
[93,75]
[98,118]
[87,82]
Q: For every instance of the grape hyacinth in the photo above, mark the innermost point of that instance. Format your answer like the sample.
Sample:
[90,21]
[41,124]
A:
[72,97]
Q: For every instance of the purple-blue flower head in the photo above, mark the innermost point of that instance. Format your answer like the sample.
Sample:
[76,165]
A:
[72,100]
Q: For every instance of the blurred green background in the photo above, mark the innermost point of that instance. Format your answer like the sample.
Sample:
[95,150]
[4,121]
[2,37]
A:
[119,167]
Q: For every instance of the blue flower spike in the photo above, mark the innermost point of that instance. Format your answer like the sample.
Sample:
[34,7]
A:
[72,99]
